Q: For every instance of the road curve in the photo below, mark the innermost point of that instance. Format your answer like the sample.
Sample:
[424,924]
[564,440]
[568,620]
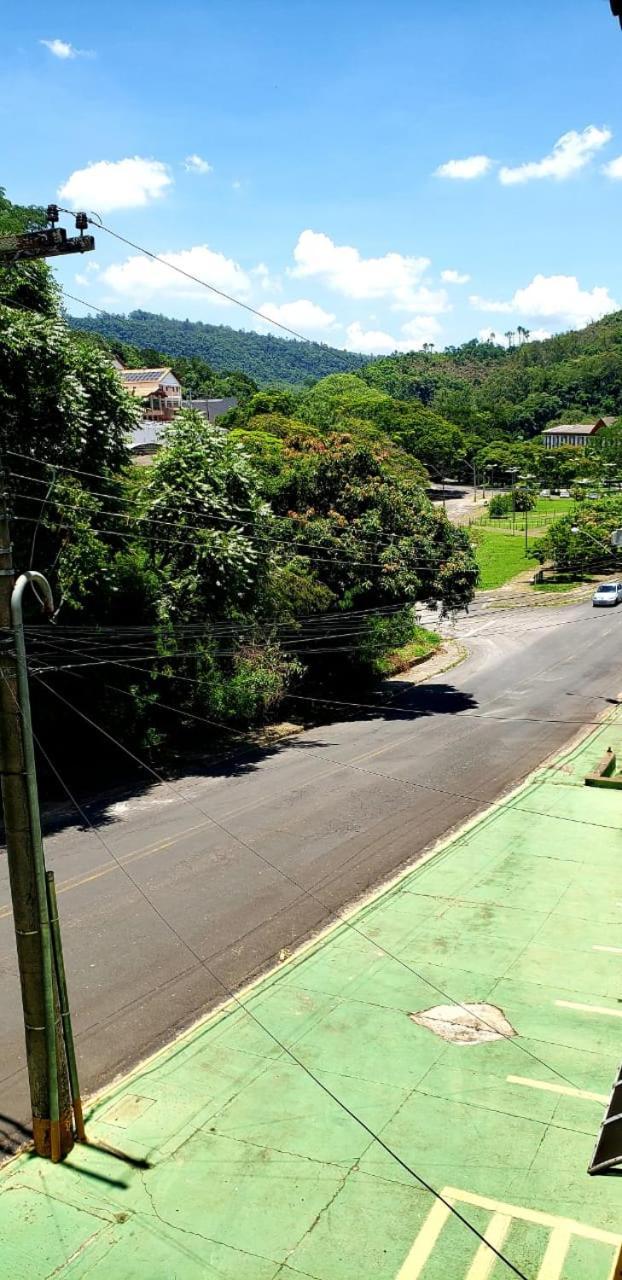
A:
[330,813]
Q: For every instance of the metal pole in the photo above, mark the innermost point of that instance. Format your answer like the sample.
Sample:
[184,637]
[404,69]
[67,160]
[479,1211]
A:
[47,962]
[65,1013]
[526,533]
[25,897]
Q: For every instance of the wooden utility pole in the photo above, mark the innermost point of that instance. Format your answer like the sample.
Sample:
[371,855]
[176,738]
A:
[45,1054]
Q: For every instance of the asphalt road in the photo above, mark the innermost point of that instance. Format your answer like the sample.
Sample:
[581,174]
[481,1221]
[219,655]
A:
[330,813]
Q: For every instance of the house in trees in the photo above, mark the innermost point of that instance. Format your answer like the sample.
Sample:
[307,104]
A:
[158,390]
[577,433]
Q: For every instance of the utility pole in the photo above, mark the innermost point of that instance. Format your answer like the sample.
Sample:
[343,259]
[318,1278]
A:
[45,1053]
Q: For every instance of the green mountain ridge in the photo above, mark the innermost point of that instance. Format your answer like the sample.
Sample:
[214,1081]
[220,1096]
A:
[263,357]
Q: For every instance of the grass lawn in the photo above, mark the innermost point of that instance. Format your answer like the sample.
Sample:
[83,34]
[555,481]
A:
[559,586]
[424,644]
[550,509]
[500,557]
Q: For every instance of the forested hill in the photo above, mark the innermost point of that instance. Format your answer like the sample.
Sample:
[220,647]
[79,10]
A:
[264,357]
[486,389]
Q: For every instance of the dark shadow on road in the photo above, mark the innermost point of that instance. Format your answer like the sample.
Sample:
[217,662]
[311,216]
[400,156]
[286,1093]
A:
[406,702]
[13,1135]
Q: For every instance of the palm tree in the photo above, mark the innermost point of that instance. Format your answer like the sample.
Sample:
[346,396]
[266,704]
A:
[510,335]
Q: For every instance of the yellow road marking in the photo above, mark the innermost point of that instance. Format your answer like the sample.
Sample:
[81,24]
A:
[565,1090]
[485,1260]
[588,1008]
[425,1242]
[105,869]
[561,1232]
[553,1262]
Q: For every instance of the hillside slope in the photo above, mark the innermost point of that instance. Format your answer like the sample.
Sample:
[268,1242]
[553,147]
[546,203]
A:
[483,388]
[264,357]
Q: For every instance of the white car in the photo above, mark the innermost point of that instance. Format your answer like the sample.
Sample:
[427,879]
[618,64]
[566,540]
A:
[607,595]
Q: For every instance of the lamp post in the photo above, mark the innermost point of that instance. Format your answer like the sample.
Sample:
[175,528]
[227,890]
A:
[526,478]
[513,472]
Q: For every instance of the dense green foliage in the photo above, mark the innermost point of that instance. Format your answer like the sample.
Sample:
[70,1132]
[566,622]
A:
[262,357]
[310,503]
[488,390]
[590,547]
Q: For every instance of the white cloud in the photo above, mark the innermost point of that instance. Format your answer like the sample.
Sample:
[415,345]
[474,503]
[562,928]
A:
[302,315]
[562,296]
[116,184]
[140,277]
[614,168]
[419,330]
[341,267]
[372,341]
[500,340]
[196,164]
[539,335]
[570,154]
[455,277]
[268,282]
[61,48]
[488,304]
[465,170]
[554,297]
[84,277]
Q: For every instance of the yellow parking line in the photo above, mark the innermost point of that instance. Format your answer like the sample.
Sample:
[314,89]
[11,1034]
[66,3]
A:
[565,1090]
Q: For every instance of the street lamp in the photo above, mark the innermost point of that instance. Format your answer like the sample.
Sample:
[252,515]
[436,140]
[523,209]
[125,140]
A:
[526,477]
[513,472]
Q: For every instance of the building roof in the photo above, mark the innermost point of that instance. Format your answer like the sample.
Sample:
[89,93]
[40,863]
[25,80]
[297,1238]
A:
[576,428]
[145,382]
[144,375]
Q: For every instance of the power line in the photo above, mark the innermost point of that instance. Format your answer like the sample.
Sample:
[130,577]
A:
[244,1007]
[196,280]
[279,870]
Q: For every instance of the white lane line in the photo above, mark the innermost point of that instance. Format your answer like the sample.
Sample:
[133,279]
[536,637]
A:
[588,1008]
[614,951]
[565,1090]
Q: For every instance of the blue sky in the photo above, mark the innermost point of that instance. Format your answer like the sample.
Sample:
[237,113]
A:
[302,156]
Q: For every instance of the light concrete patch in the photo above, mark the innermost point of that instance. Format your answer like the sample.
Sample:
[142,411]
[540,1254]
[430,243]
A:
[465,1024]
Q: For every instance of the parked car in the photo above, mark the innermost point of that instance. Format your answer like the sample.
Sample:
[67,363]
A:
[607,595]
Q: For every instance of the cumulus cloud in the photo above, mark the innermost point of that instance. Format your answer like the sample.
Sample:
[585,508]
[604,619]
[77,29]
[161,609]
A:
[489,304]
[560,298]
[455,277]
[303,315]
[116,184]
[196,164]
[614,168]
[268,282]
[394,276]
[570,154]
[63,49]
[419,330]
[140,277]
[465,170]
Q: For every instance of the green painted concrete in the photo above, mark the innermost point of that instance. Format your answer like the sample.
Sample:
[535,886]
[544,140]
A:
[254,1173]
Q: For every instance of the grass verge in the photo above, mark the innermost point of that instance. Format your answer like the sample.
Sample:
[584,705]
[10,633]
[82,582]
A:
[500,557]
[422,646]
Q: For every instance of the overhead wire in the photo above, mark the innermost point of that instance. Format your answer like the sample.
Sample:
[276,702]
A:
[244,1007]
[295,883]
[205,284]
